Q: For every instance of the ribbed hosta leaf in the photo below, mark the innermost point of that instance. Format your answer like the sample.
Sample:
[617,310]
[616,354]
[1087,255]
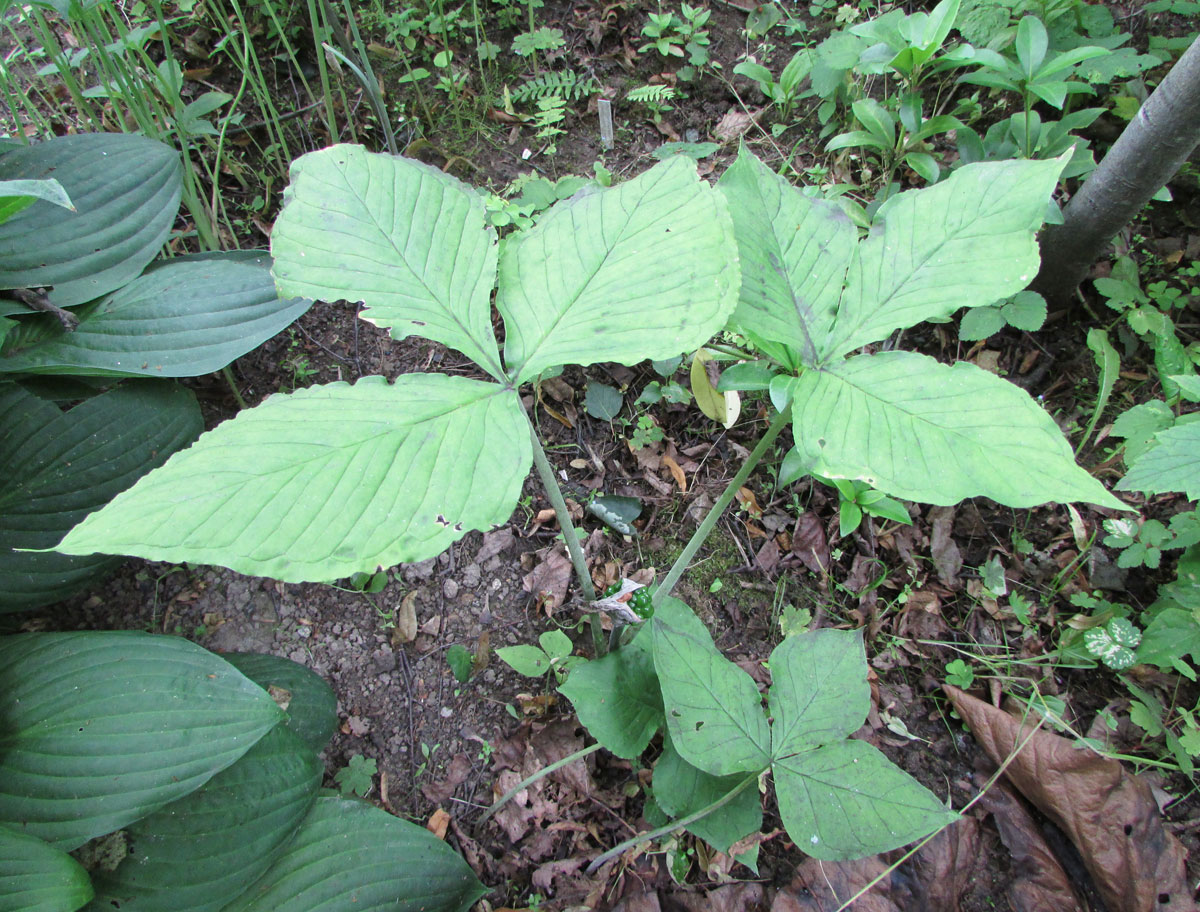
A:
[349,855]
[102,728]
[126,191]
[56,468]
[201,851]
[184,317]
[847,800]
[924,431]
[794,251]
[405,238]
[36,877]
[329,481]
[646,269]
[311,706]
[964,242]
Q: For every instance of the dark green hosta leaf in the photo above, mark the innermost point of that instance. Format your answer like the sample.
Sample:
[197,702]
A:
[795,250]
[36,877]
[617,697]
[126,191]
[646,269]
[311,705]
[819,690]
[952,432]
[199,852]
[405,238]
[713,708]
[183,317]
[349,855]
[329,481]
[680,789]
[847,800]
[102,728]
[57,467]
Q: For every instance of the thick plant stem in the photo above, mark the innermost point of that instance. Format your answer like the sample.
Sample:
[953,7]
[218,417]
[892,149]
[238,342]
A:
[550,484]
[673,825]
[714,514]
[525,783]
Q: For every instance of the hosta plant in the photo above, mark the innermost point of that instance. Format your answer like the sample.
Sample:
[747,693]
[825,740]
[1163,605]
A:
[341,478]
[179,779]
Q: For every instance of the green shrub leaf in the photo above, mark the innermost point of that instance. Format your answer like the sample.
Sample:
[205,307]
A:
[713,708]
[953,432]
[57,467]
[646,269]
[617,697]
[199,852]
[103,728]
[348,854]
[329,481]
[847,800]
[819,691]
[1173,465]
[183,317]
[794,249]
[405,238]
[126,191]
[36,877]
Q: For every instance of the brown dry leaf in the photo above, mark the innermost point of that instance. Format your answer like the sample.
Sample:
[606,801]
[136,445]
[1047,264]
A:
[944,868]
[282,698]
[676,473]
[456,774]
[746,498]
[1110,815]
[742,897]
[536,704]
[947,559]
[356,726]
[1039,881]
[809,542]
[405,630]
[823,886]
[544,875]
[495,542]
[988,360]
[548,581]
[557,389]
[767,558]
[439,822]
[732,125]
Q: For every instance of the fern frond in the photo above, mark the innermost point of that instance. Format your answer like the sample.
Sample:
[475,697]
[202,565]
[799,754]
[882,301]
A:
[652,94]
[569,85]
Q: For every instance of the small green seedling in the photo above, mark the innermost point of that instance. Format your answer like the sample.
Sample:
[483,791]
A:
[369,583]
[357,777]
[1026,310]
[554,655]
[1113,644]
[857,498]
[960,674]
[461,662]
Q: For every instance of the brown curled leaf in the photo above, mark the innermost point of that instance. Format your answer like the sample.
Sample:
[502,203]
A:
[1110,815]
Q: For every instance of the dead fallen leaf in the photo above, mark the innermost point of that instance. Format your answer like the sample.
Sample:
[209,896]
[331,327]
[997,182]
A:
[456,774]
[356,726]
[823,886]
[1039,881]
[1109,815]
[809,542]
[741,897]
[749,502]
[676,473]
[947,559]
[732,125]
[405,630]
[944,868]
[544,875]
[767,558]
[439,822]
[548,581]
[494,542]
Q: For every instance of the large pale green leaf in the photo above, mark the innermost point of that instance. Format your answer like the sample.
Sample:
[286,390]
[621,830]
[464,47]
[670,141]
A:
[925,431]
[1172,465]
[16,195]
[349,855]
[56,468]
[102,728]
[964,242]
[617,697]
[681,789]
[36,877]
[183,317]
[847,800]
[819,691]
[308,700]
[201,851]
[713,708]
[329,481]
[794,251]
[405,238]
[126,191]
[647,269]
